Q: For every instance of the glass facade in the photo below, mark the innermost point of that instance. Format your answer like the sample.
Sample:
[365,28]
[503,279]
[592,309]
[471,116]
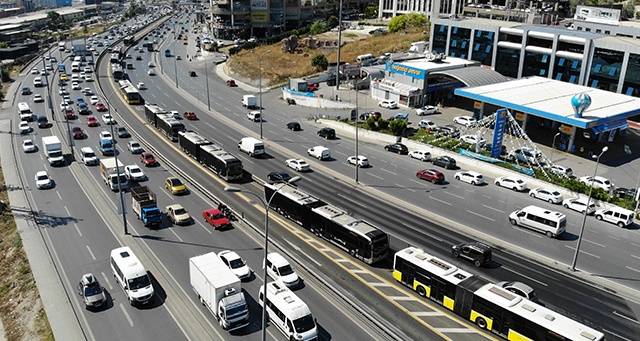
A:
[567,70]
[460,38]
[536,64]
[440,39]
[605,69]
[482,47]
[507,62]
[631,85]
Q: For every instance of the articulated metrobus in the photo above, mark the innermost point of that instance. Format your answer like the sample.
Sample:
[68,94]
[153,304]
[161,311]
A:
[487,305]
[130,93]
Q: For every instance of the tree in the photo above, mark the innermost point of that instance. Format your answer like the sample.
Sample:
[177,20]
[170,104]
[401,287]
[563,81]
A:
[628,9]
[397,23]
[320,62]
[3,44]
[371,12]
[54,22]
[332,22]
[397,127]
[318,27]
[417,20]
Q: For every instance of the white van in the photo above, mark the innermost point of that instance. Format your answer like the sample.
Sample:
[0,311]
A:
[540,219]
[254,116]
[319,152]
[131,275]
[25,112]
[75,66]
[89,157]
[251,146]
[279,269]
[37,82]
[288,312]
[615,215]
[366,59]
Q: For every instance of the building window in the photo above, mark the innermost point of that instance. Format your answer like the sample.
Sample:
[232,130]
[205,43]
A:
[440,39]
[483,47]
[460,38]
[535,64]
[567,70]
[508,62]
[631,84]
[605,69]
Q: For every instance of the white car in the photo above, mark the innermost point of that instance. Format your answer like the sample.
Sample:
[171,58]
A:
[513,183]
[237,265]
[427,110]
[64,106]
[87,92]
[151,64]
[598,182]
[28,146]
[87,69]
[35,71]
[561,170]
[421,155]
[464,120]
[105,135]
[426,124]
[76,86]
[388,104]
[473,139]
[37,98]
[134,147]
[134,173]
[579,205]
[82,75]
[471,177]
[88,78]
[546,194]
[175,114]
[63,91]
[108,119]
[43,180]
[297,164]
[151,72]
[25,128]
[142,86]
[360,160]
[94,100]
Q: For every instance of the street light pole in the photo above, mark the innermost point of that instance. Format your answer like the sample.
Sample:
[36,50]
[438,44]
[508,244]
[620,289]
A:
[115,155]
[260,86]
[553,145]
[339,43]
[584,218]
[266,242]
[206,74]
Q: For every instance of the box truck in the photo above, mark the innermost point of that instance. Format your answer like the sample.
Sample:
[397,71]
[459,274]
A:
[53,150]
[249,101]
[111,171]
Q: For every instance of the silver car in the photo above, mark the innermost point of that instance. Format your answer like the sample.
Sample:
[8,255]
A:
[519,289]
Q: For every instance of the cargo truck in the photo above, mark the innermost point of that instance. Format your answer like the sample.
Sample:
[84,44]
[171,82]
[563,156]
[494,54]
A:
[143,202]
[164,121]
[111,171]
[249,101]
[53,150]
[218,288]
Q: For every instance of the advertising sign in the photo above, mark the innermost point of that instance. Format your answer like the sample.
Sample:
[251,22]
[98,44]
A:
[498,132]
[259,16]
[258,5]
[407,71]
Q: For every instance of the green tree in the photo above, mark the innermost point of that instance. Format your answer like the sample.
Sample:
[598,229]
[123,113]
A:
[320,62]
[371,12]
[332,22]
[383,124]
[318,27]
[397,23]
[417,20]
[397,127]
[628,9]
[3,44]
[54,22]
[371,123]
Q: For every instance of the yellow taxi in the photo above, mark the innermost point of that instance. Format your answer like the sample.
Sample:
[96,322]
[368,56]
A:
[175,186]
[64,77]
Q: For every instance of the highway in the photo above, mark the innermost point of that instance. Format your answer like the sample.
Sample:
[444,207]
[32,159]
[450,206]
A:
[85,246]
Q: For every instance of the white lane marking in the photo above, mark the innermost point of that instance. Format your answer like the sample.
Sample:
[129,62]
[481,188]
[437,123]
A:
[126,314]
[297,248]
[401,298]
[90,252]
[106,280]
[439,200]
[612,237]
[634,244]
[418,182]
[167,192]
[454,195]
[612,333]
[59,196]
[456,330]
[370,174]
[594,243]
[380,284]
[426,313]
[175,234]
[630,268]
[525,276]
[586,253]
[634,256]
[624,317]
[340,153]
[209,125]
[202,225]
[480,215]
[351,200]
[486,196]
[493,208]
[77,229]
[66,209]
[388,171]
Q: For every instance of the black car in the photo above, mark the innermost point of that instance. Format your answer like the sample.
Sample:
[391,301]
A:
[43,122]
[478,253]
[26,91]
[327,133]
[279,176]
[295,126]
[397,148]
[444,161]
[192,74]
[375,114]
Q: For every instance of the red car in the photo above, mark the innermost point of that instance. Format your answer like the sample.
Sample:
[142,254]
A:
[101,107]
[313,86]
[69,114]
[214,217]
[190,115]
[431,175]
[231,82]
[78,134]
[92,121]
[148,159]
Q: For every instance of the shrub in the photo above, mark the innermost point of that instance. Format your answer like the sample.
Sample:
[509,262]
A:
[320,62]
[383,124]
[397,127]
[318,27]
[371,123]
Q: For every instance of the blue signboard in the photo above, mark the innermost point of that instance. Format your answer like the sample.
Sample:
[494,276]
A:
[405,70]
[498,132]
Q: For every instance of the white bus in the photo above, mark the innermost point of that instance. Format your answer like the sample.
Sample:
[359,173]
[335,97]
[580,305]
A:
[540,219]
[287,311]
[131,275]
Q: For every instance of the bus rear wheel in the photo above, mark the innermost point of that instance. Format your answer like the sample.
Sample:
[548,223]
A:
[421,291]
[481,323]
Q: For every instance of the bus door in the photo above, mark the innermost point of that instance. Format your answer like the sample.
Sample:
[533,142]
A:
[408,273]
[438,289]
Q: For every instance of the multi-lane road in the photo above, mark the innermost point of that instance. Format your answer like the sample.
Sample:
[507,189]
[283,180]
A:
[80,222]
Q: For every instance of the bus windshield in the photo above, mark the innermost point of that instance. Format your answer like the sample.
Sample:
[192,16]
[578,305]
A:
[139,282]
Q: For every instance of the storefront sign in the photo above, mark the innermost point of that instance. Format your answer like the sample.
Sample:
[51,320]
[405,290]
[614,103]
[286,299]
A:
[407,70]
[259,16]
[566,129]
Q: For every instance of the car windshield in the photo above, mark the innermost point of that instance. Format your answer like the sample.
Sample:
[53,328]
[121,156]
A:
[176,182]
[180,211]
[89,154]
[43,177]
[135,170]
[236,263]
[556,193]
[148,157]
[304,324]
[135,145]
[285,270]
[217,216]
[92,289]
[139,282]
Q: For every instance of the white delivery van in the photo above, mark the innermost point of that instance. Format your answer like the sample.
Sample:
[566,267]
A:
[75,66]
[540,219]
[131,276]
[615,215]
[254,116]
[89,157]
[279,269]
[251,146]
[288,312]
[25,112]
[319,152]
